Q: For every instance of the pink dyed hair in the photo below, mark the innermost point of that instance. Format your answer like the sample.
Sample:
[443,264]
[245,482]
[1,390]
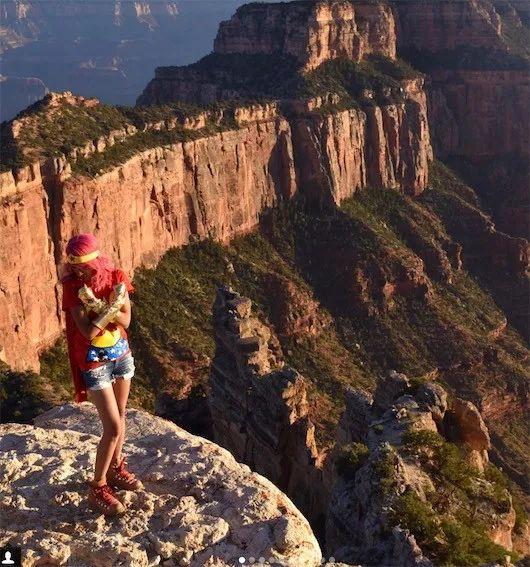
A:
[82,244]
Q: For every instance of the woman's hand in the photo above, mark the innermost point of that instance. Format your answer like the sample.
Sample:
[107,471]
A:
[124,315]
[113,296]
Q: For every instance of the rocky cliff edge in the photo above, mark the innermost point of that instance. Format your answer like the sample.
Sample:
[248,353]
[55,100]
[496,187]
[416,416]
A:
[200,507]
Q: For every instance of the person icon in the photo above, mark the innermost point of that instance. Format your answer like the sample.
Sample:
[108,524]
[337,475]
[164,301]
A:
[7,559]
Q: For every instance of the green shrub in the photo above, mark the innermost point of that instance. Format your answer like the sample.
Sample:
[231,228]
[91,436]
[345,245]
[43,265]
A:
[502,489]
[351,459]
[385,469]
[468,544]
[349,79]
[454,468]
[458,541]
[23,395]
[418,517]
[55,368]
[415,440]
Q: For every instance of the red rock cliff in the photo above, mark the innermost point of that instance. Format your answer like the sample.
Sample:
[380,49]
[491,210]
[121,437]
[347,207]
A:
[312,32]
[441,24]
[216,185]
[477,56]
[377,146]
[160,198]
[219,183]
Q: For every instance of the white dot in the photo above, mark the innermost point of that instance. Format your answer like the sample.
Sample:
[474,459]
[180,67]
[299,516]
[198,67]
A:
[261,559]
[331,560]
[241,560]
[251,559]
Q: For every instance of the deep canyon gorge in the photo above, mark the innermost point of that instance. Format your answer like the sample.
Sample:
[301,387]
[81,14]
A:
[327,223]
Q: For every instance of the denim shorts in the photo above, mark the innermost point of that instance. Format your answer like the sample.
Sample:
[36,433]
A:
[105,375]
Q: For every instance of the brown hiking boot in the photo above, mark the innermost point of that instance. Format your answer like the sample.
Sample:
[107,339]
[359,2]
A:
[103,499]
[121,479]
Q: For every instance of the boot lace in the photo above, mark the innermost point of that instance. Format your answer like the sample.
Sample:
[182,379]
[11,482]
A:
[122,472]
[105,493]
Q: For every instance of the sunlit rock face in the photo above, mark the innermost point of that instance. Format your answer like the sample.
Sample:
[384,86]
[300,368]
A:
[199,507]
[312,32]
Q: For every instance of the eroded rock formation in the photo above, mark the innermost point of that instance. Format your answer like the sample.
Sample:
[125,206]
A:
[377,146]
[200,507]
[478,87]
[220,180]
[433,26]
[385,452]
[216,186]
[259,405]
[470,115]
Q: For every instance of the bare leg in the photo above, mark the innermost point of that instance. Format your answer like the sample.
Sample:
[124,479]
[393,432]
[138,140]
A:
[105,402]
[121,389]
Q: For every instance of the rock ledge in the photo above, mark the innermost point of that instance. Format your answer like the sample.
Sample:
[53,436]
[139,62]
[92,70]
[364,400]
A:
[200,507]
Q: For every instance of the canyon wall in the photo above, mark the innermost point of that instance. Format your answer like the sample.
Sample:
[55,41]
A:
[436,25]
[480,113]
[162,197]
[478,89]
[479,84]
[378,146]
[215,186]
[219,183]
[481,119]
[312,32]
[28,277]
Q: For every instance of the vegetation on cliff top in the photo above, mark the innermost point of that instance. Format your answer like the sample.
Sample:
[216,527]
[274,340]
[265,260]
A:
[53,128]
[46,131]
[458,541]
[54,131]
[264,77]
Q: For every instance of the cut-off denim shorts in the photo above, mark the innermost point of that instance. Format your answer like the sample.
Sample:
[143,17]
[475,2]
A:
[105,375]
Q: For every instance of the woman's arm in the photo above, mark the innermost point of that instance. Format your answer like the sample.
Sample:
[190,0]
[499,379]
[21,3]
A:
[124,316]
[84,324]
[87,327]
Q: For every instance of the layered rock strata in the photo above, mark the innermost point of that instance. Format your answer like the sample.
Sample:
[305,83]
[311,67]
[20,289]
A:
[479,113]
[377,146]
[476,55]
[312,32]
[216,186]
[259,406]
[436,25]
[200,507]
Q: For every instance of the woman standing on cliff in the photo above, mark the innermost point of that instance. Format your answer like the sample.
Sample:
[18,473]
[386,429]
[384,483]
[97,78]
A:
[98,310]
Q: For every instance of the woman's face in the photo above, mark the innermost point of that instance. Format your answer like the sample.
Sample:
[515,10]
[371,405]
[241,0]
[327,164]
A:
[82,271]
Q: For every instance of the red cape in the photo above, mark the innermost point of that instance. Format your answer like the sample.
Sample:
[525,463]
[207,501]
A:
[79,383]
